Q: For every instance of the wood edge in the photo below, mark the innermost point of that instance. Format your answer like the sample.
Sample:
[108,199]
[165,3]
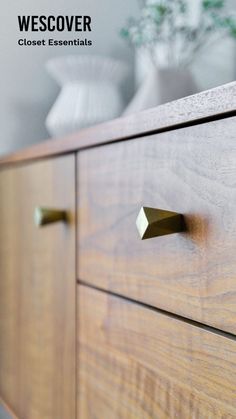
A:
[206,327]
[8,409]
[199,108]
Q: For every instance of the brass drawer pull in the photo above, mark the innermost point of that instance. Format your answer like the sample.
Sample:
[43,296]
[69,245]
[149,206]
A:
[152,222]
[43,216]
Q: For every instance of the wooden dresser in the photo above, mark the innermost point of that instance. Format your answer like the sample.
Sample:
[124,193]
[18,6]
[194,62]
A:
[96,323]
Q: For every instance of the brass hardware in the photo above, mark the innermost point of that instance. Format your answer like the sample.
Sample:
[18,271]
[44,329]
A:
[152,222]
[43,216]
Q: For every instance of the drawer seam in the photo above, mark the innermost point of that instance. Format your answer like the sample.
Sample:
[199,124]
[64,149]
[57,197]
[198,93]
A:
[169,314]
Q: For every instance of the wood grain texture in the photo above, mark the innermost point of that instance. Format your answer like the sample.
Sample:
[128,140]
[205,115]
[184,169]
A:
[209,104]
[191,171]
[139,364]
[37,292]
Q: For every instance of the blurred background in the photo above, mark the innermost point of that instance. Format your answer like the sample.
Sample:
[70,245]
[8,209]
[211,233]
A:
[28,91]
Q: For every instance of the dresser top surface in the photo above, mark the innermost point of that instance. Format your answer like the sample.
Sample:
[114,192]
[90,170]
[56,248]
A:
[209,105]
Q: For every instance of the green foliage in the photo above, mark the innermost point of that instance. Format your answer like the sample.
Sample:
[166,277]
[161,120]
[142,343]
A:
[213,4]
[166,22]
[231,24]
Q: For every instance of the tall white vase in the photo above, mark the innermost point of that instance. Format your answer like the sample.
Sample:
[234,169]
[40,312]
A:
[158,85]
[161,86]
[90,92]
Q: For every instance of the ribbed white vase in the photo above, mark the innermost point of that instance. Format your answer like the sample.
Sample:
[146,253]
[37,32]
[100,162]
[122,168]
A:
[90,92]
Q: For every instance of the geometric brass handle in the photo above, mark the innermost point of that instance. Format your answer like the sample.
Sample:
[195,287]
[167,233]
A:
[43,216]
[152,222]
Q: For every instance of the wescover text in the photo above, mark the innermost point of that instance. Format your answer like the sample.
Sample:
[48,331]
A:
[54,23]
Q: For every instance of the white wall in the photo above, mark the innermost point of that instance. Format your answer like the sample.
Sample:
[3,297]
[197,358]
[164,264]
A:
[27,91]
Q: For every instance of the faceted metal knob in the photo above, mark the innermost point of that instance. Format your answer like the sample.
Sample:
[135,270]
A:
[152,222]
[43,216]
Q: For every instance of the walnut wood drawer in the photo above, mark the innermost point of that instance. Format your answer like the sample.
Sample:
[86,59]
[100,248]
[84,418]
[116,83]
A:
[37,291]
[138,363]
[191,171]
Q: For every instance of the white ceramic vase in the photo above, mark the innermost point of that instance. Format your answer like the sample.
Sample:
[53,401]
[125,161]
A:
[162,86]
[158,85]
[90,92]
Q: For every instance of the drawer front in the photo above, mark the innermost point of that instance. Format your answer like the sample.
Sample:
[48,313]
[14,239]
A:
[37,291]
[191,171]
[137,363]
